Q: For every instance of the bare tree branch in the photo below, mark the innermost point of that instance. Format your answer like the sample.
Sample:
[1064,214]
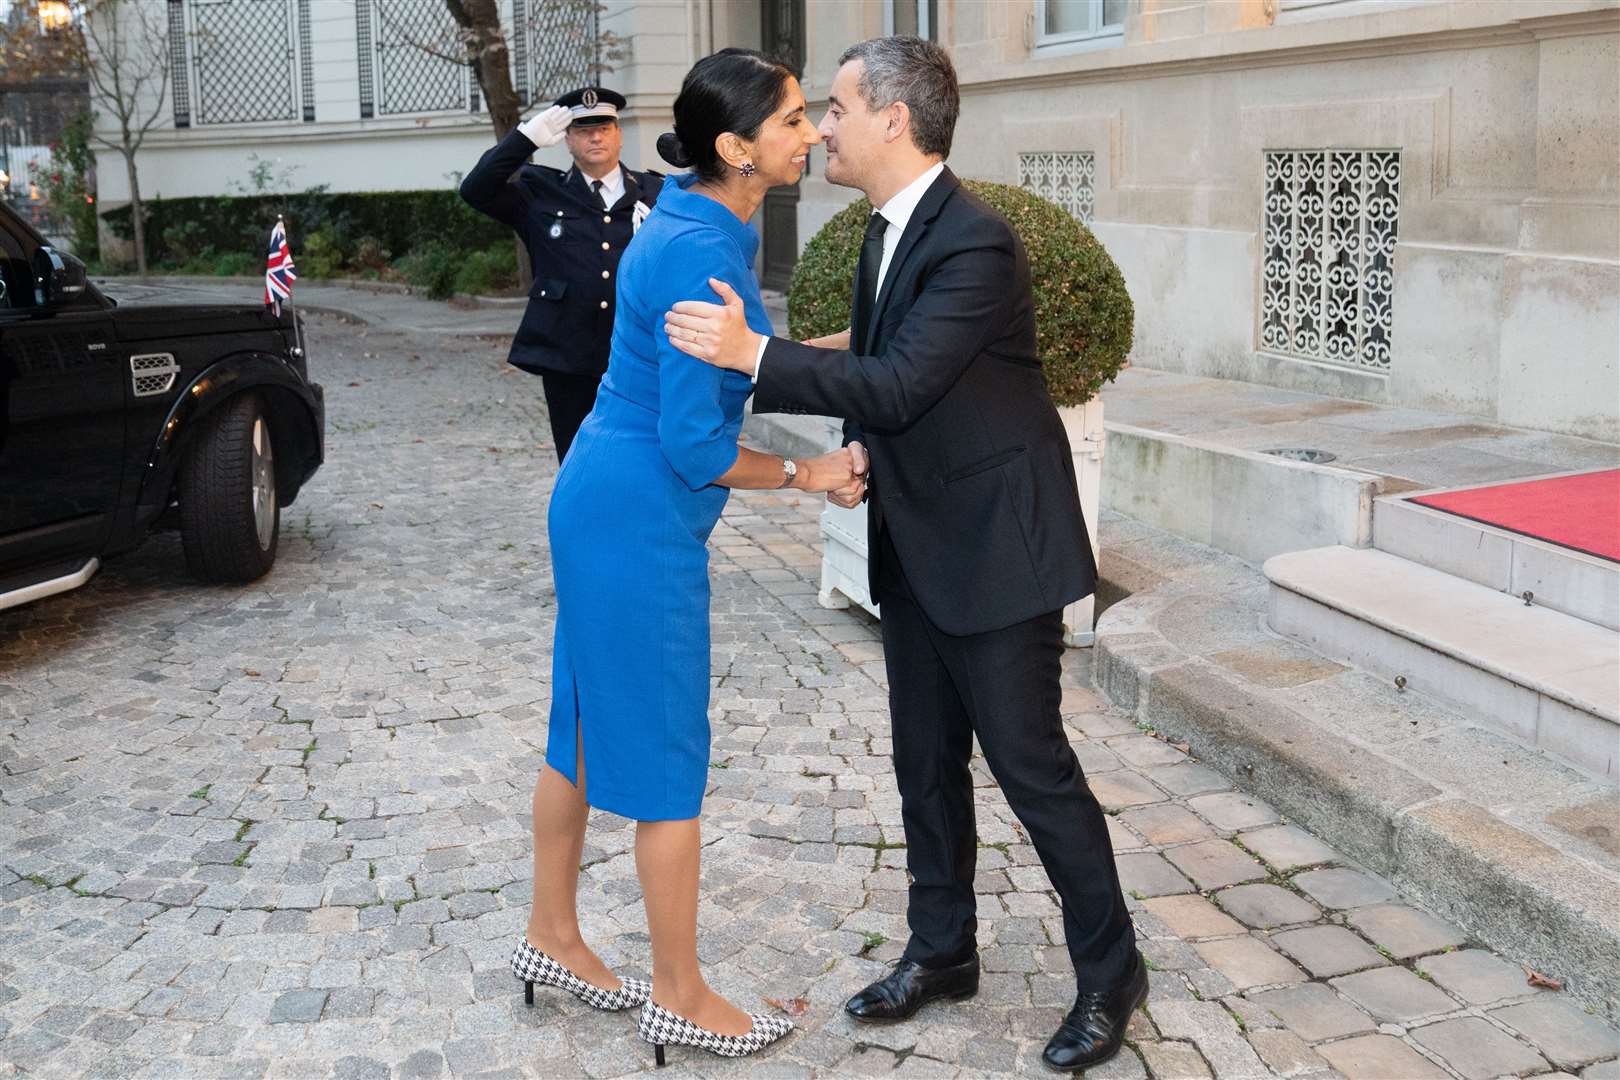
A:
[127,60]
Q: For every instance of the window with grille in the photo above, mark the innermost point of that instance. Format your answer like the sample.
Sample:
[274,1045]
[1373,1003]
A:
[238,61]
[1329,231]
[555,46]
[1065,177]
[412,63]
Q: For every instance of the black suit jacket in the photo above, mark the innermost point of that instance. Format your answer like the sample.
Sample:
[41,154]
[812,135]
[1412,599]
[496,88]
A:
[972,476]
[568,324]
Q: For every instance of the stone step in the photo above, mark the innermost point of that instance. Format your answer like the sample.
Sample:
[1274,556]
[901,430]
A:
[1545,677]
[1573,582]
[1499,838]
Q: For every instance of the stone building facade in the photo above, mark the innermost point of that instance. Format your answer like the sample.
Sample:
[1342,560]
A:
[1413,202]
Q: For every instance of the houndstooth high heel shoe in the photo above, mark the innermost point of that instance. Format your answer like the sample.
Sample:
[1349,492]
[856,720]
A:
[663,1028]
[533,966]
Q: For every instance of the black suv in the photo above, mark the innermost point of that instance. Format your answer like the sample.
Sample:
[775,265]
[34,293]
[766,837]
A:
[116,418]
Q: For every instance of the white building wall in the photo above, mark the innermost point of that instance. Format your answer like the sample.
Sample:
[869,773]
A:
[399,152]
[1506,297]
[1506,301]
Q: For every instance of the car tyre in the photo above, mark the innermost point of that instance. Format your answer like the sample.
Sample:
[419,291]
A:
[230,516]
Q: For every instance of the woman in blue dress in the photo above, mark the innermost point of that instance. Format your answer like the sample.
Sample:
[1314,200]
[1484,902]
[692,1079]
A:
[630,517]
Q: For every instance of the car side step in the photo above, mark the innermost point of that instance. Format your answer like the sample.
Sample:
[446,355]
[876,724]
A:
[40,582]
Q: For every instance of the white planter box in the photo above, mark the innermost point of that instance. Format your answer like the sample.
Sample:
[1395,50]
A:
[843,532]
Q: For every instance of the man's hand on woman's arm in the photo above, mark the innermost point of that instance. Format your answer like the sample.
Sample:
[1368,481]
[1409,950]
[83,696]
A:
[715,333]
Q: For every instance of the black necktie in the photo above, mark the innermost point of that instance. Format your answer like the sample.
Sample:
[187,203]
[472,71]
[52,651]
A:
[866,275]
[596,189]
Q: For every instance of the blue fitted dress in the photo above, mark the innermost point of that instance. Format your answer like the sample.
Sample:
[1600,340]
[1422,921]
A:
[630,519]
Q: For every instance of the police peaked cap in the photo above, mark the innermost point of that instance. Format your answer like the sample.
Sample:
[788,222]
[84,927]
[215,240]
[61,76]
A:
[592,105]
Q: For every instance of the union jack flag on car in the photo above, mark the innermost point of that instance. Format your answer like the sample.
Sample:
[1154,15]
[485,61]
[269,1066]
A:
[278,271]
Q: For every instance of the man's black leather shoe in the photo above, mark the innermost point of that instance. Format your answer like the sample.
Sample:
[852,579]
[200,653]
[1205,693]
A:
[910,986]
[1094,1030]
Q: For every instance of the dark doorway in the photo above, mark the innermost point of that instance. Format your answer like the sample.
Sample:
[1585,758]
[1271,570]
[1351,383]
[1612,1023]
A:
[782,23]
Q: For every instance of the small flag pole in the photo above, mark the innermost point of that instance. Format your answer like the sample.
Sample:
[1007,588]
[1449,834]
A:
[278,278]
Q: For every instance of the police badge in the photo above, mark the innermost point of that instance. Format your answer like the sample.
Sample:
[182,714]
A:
[588,99]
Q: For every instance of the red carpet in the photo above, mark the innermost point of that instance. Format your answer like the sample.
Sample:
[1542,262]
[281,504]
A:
[1580,512]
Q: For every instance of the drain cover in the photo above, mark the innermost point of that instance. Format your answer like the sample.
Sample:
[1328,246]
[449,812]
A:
[1314,457]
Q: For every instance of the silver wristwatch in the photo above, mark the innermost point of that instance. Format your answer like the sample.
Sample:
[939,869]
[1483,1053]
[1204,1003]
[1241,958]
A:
[790,469]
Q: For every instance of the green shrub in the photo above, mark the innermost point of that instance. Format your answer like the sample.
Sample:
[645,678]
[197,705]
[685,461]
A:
[322,257]
[185,242]
[1083,315]
[397,220]
[432,267]
[488,271]
[369,255]
[236,264]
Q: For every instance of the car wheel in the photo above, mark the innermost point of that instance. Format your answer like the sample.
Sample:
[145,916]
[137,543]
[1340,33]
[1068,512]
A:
[229,516]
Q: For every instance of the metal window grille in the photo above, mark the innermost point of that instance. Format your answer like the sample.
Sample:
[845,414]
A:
[1330,228]
[520,50]
[177,64]
[1066,178]
[243,61]
[306,58]
[414,41]
[558,40]
[366,48]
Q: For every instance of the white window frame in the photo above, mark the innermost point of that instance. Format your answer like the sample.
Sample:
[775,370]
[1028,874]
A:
[924,29]
[1097,36]
[1297,11]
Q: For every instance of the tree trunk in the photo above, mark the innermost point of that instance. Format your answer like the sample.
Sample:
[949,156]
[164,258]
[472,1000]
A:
[136,215]
[491,63]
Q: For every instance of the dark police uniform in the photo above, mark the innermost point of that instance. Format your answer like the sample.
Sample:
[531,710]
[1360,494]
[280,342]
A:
[574,245]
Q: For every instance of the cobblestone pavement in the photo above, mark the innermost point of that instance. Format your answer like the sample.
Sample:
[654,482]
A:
[282,830]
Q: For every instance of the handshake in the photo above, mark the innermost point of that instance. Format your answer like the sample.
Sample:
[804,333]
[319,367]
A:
[840,474]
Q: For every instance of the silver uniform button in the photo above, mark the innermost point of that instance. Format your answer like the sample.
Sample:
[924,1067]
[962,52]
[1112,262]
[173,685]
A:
[559,213]
[607,218]
[542,292]
[604,245]
[604,305]
[604,275]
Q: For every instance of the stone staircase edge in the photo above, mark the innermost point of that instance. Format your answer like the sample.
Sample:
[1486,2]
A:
[1271,751]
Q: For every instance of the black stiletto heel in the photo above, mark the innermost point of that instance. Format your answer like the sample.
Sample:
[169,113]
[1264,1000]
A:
[528,992]
[658,1053]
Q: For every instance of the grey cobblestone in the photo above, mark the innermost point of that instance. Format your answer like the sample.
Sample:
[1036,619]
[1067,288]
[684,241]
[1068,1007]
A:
[313,856]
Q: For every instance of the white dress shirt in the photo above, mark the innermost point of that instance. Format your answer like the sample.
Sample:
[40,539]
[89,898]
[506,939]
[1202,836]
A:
[612,186]
[897,212]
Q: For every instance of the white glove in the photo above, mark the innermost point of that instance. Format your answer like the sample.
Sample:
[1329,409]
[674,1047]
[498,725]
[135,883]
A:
[546,128]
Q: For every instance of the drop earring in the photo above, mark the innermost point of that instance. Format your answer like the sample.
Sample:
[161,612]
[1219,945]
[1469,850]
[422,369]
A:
[746,168]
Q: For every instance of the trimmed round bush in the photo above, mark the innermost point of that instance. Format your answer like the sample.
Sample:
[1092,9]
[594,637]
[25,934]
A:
[1083,315]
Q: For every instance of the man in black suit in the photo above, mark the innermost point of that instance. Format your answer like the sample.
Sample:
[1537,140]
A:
[575,225]
[976,538]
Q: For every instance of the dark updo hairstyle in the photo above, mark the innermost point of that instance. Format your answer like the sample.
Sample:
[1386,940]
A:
[734,90]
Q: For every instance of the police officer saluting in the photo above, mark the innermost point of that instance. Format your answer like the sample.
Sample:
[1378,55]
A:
[576,225]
